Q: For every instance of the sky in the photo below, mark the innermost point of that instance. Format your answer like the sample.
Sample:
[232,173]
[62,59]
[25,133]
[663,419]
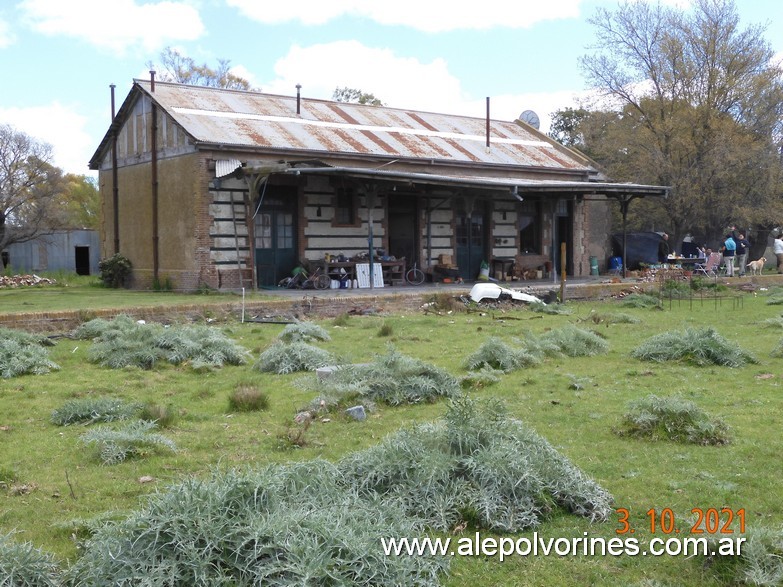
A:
[59,58]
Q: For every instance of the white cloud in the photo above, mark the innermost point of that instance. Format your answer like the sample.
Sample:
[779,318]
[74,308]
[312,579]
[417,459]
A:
[245,73]
[117,25]
[60,127]
[430,16]
[400,82]
[396,80]
[6,36]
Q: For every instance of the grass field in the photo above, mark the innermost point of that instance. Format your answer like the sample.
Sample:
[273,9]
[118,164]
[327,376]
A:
[52,484]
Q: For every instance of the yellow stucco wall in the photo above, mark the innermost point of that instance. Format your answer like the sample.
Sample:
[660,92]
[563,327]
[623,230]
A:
[181,196]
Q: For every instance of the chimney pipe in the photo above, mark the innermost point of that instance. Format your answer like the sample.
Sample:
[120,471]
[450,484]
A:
[152,80]
[487,123]
[113,112]
[298,99]
[115,186]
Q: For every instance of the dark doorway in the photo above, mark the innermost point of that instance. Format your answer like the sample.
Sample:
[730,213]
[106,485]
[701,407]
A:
[471,238]
[403,228]
[275,232]
[563,234]
[82,260]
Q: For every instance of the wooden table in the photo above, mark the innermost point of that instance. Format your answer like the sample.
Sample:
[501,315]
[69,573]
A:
[686,262]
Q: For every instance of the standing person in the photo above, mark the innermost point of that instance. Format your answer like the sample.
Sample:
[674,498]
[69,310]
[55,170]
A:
[743,247]
[777,248]
[729,248]
[663,248]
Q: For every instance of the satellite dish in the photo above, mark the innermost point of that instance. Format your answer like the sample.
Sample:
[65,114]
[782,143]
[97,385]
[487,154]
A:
[530,118]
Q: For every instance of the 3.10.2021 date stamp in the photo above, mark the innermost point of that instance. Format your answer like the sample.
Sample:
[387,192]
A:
[702,521]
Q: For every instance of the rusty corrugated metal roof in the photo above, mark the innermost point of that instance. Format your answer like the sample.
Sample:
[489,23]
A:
[270,122]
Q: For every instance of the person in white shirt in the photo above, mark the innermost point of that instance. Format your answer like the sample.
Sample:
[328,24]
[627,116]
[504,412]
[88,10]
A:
[777,248]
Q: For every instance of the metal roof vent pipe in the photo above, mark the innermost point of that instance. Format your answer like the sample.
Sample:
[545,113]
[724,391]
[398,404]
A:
[113,111]
[152,81]
[488,150]
[298,100]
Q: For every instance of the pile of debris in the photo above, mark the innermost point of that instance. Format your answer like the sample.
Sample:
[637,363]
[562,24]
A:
[491,292]
[24,280]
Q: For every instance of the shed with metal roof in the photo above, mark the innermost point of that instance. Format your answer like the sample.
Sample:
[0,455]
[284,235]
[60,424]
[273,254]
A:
[224,188]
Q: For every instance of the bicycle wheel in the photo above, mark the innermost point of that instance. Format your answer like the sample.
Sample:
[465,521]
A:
[415,276]
[323,281]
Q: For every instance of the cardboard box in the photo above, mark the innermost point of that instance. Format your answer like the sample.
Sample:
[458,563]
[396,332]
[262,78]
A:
[444,260]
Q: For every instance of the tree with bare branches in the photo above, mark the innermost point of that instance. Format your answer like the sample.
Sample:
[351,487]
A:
[29,188]
[693,101]
[182,69]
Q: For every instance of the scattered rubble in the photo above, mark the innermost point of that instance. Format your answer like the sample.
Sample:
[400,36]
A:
[24,281]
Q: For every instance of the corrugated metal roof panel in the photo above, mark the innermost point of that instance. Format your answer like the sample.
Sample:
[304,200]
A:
[255,120]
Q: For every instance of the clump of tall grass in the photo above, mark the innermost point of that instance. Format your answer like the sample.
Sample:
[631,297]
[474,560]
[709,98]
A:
[22,353]
[776,322]
[775,297]
[123,342]
[135,439]
[7,477]
[100,327]
[551,309]
[575,342]
[611,318]
[303,332]
[443,302]
[283,358]
[392,379]
[481,378]
[26,338]
[479,467]
[697,346]
[282,525]
[247,397]
[91,410]
[676,289]
[497,354]
[672,418]
[645,301]
[760,561]
[201,346]
[23,565]
[385,330]
[341,319]
[164,416]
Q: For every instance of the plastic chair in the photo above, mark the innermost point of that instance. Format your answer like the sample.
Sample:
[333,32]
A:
[710,267]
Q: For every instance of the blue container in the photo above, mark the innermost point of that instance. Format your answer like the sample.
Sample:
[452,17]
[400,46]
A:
[615,263]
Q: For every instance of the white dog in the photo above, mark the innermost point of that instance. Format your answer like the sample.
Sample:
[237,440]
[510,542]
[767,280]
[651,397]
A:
[756,267]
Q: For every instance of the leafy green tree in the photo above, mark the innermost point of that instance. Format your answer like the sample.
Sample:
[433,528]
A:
[29,188]
[697,105]
[79,203]
[182,69]
[566,127]
[356,96]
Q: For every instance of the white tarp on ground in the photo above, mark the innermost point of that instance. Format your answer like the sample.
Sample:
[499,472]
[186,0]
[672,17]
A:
[493,291]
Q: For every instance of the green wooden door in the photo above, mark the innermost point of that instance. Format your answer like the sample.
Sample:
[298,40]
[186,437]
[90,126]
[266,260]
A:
[471,244]
[275,232]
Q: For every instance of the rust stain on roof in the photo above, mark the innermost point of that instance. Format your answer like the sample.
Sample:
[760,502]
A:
[421,121]
[270,122]
[342,113]
[462,150]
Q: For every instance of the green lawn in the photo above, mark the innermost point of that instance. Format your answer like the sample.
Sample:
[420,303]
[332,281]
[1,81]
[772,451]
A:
[57,484]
